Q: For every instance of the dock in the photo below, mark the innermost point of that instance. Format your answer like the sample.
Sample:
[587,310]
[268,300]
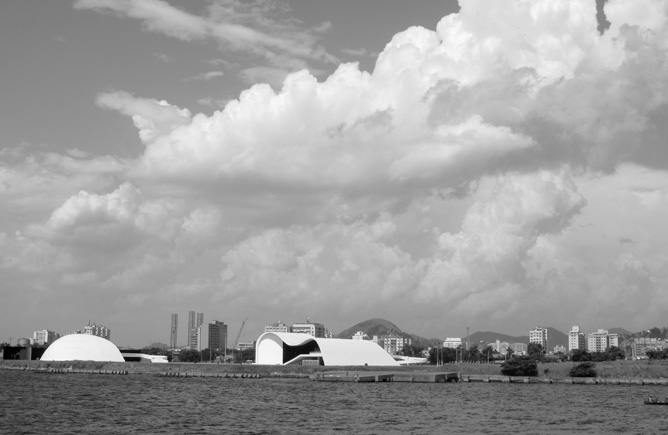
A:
[384,376]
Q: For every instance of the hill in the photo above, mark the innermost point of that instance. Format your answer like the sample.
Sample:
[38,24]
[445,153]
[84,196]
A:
[378,326]
[620,331]
[554,338]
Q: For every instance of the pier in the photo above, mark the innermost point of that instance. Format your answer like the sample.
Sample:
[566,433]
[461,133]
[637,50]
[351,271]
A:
[384,376]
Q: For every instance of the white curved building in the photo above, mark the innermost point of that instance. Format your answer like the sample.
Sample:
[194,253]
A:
[283,348]
[82,347]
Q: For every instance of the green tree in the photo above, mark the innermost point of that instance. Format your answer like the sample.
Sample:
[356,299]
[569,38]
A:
[615,353]
[155,349]
[190,355]
[520,366]
[655,333]
[241,356]
[585,369]
[473,354]
[535,350]
[442,355]
[509,353]
[487,353]
[657,354]
[580,355]
[411,350]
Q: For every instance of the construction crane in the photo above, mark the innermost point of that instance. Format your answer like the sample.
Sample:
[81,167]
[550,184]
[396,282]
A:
[236,341]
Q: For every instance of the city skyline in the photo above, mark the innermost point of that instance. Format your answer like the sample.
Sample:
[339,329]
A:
[444,164]
[320,330]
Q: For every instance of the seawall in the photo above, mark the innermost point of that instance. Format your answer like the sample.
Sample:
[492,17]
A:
[611,372]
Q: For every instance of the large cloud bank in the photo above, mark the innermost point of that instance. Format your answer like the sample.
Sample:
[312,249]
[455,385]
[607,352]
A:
[485,173]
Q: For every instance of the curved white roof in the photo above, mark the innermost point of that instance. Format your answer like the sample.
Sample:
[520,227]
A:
[333,351]
[82,347]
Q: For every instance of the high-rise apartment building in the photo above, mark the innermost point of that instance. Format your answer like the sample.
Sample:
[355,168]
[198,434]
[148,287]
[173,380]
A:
[45,336]
[538,335]
[576,339]
[217,335]
[195,321]
[174,331]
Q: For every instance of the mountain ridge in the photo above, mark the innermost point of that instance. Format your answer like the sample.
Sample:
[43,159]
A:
[379,326]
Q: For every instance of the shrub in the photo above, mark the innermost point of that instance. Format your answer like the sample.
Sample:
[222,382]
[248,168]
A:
[520,366]
[583,370]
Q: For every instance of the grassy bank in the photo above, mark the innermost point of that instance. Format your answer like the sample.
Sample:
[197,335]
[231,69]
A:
[556,371]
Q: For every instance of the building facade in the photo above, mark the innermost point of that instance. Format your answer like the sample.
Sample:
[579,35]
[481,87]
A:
[45,336]
[97,330]
[641,345]
[277,327]
[538,335]
[217,335]
[360,335]
[601,340]
[174,331]
[501,347]
[519,348]
[246,346]
[597,341]
[453,343]
[314,329]
[576,339]
[394,344]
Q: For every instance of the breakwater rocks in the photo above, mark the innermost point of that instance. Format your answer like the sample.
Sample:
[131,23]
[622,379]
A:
[64,370]
[545,380]
[611,373]
[207,375]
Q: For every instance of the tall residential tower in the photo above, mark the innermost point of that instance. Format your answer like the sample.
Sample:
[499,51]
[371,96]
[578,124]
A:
[195,321]
[175,328]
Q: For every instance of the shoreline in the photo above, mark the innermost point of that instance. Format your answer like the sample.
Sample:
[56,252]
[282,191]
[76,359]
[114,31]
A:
[609,372]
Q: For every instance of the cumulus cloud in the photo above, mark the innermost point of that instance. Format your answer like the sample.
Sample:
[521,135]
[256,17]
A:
[479,172]
[153,118]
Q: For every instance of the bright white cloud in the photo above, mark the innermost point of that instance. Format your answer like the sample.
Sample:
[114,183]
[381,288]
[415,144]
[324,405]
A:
[479,172]
[153,118]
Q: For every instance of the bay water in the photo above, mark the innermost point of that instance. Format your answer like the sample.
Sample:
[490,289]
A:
[34,403]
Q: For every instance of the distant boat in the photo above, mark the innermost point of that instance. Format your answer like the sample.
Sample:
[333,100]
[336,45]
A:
[655,401]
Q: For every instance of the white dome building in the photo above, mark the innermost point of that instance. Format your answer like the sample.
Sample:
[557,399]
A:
[82,347]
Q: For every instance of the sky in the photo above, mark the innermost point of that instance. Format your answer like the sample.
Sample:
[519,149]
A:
[443,165]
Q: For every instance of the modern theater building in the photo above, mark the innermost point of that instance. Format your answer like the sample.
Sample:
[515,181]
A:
[283,348]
